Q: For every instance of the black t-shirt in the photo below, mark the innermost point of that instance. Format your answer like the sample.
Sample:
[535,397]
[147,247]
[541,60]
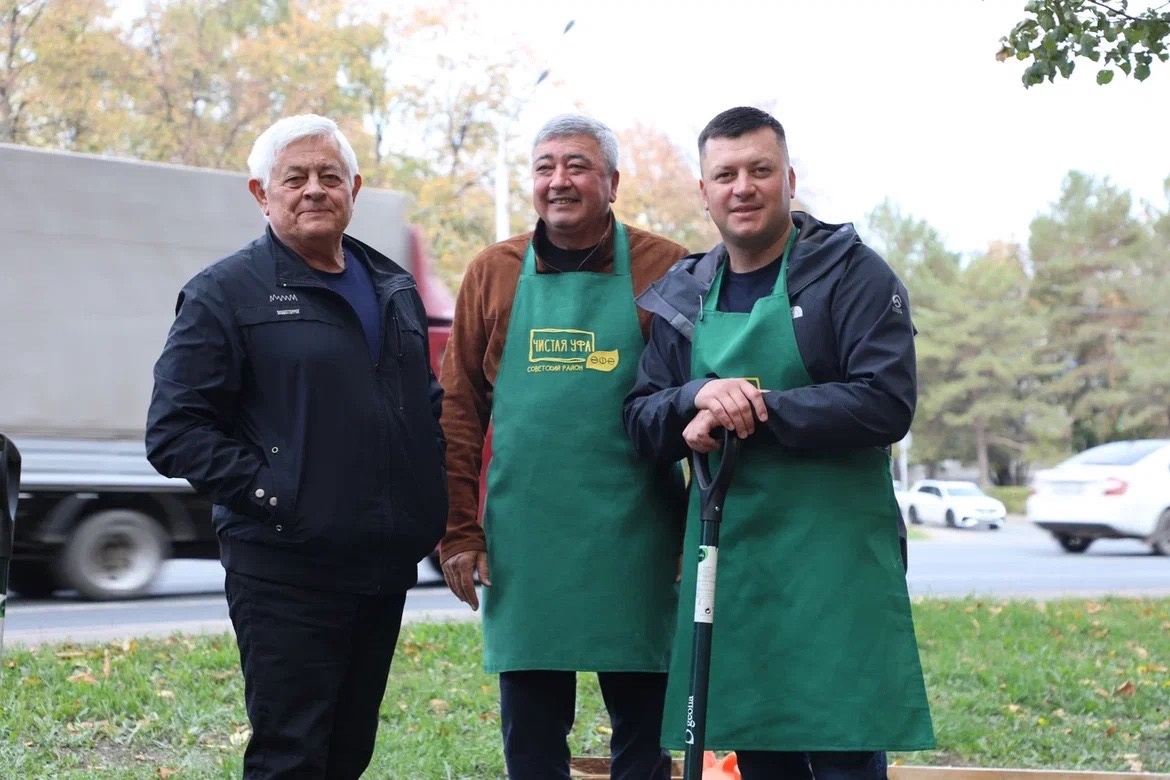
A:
[741,291]
[561,259]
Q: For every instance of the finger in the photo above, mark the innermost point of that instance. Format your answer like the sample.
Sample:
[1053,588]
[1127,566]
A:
[470,597]
[756,397]
[740,409]
[484,574]
[721,414]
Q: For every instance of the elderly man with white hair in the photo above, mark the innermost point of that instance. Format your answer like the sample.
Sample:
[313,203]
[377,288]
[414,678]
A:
[295,392]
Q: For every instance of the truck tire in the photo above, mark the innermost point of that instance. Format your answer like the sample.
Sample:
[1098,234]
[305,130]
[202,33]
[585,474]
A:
[33,580]
[114,554]
[1073,544]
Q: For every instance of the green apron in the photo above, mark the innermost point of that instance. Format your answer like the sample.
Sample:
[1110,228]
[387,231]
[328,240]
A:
[582,547]
[813,645]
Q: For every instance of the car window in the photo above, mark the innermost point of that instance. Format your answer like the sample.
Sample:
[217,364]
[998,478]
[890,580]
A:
[1117,453]
[964,490]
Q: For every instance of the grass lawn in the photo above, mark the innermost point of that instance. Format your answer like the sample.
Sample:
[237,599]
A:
[1065,684]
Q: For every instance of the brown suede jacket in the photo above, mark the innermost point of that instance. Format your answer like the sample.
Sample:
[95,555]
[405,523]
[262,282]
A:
[472,360]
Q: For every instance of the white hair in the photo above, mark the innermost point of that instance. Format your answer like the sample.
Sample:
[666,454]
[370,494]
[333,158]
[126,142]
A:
[289,130]
[578,124]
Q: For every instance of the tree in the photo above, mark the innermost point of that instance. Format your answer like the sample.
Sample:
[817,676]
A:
[1088,254]
[62,72]
[1056,33]
[659,189]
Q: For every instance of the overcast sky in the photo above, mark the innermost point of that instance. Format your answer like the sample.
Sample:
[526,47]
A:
[899,98]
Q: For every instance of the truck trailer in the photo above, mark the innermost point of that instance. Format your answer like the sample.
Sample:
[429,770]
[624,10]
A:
[93,253]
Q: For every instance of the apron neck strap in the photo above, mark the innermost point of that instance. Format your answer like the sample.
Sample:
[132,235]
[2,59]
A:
[621,252]
[781,286]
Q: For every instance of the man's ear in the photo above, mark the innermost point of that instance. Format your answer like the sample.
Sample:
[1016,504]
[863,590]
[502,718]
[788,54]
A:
[613,185]
[257,190]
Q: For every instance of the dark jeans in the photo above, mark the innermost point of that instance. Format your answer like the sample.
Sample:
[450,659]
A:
[315,666]
[537,710]
[851,765]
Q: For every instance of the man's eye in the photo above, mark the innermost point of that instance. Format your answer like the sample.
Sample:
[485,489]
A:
[763,170]
[331,179]
[295,181]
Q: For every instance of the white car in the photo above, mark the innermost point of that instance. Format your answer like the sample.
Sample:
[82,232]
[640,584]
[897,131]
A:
[1119,490]
[954,503]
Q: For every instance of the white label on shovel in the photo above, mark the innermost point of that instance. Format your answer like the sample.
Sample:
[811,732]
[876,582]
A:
[705,585]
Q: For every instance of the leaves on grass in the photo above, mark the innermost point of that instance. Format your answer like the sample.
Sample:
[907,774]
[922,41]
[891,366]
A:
[82,677]
[1126,689]
[165,771]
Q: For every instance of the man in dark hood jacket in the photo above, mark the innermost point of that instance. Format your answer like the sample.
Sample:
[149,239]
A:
[797,337]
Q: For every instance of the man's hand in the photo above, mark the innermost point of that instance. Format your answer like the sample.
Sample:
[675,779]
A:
[736,404]
[698,432]
[458,570]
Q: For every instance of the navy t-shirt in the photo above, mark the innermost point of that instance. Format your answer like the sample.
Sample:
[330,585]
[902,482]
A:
[741,291]
[355,285]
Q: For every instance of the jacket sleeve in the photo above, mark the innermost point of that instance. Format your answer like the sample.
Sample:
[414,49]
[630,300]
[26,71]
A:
[466,412]
[197,381]
[436,390]
[873,403]
[662,400]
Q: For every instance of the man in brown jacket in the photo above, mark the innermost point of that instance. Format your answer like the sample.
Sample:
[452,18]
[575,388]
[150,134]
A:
[580,538]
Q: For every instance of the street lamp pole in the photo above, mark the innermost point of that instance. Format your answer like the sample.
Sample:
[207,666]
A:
[503,222]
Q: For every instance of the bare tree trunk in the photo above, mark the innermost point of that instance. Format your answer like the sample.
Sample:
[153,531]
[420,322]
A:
[981,452]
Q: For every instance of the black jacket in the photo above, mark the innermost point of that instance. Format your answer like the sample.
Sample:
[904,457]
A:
[325,469]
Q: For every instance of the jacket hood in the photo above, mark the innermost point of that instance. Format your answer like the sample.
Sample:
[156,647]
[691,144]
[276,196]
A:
[676,297]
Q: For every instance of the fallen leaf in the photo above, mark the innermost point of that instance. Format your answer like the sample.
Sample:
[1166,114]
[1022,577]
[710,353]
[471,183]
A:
[439,707]
[65,655]
[165,771]
[83,677]
[604,730]
[106,664]
[166,694]
[1126,689]
[241,735]
[1013,708]
[1093,608]
[1109,732]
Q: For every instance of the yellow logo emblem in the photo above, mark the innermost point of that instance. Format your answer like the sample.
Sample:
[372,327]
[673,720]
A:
[559,350]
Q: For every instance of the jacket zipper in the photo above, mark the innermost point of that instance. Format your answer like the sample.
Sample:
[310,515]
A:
[375,369]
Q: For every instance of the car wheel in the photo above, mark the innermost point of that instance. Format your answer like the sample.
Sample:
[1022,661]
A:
[950,518]
[1074,544]
[994,526]
[114,554]
[34,580]
[912,515]
[1160,539]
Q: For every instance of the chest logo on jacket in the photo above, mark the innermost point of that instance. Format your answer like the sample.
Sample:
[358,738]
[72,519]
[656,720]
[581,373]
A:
[567,350]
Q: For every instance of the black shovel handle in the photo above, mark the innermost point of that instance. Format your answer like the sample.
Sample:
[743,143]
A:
[712,492]
[713,487]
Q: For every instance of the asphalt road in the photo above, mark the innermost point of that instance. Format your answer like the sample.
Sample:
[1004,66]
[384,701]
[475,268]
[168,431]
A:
[1017,561]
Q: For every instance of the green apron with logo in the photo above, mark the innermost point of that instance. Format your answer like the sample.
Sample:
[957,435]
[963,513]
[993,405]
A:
[582,548]
[813,645]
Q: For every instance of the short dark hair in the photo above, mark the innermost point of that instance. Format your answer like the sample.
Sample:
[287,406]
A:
[734,122]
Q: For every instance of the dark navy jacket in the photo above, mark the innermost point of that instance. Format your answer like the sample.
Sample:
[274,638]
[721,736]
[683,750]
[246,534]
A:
[326,469]
[851,315]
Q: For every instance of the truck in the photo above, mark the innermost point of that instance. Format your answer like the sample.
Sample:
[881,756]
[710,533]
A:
[93,252]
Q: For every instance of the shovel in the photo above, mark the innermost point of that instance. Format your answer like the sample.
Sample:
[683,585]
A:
[712,492]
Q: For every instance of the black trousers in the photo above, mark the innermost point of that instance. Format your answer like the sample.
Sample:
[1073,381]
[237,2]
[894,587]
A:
[315,666]
[841,765]
[537,709]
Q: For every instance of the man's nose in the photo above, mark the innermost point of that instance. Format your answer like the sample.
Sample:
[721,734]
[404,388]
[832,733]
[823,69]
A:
[743,184]
[314,188]
[560,177]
